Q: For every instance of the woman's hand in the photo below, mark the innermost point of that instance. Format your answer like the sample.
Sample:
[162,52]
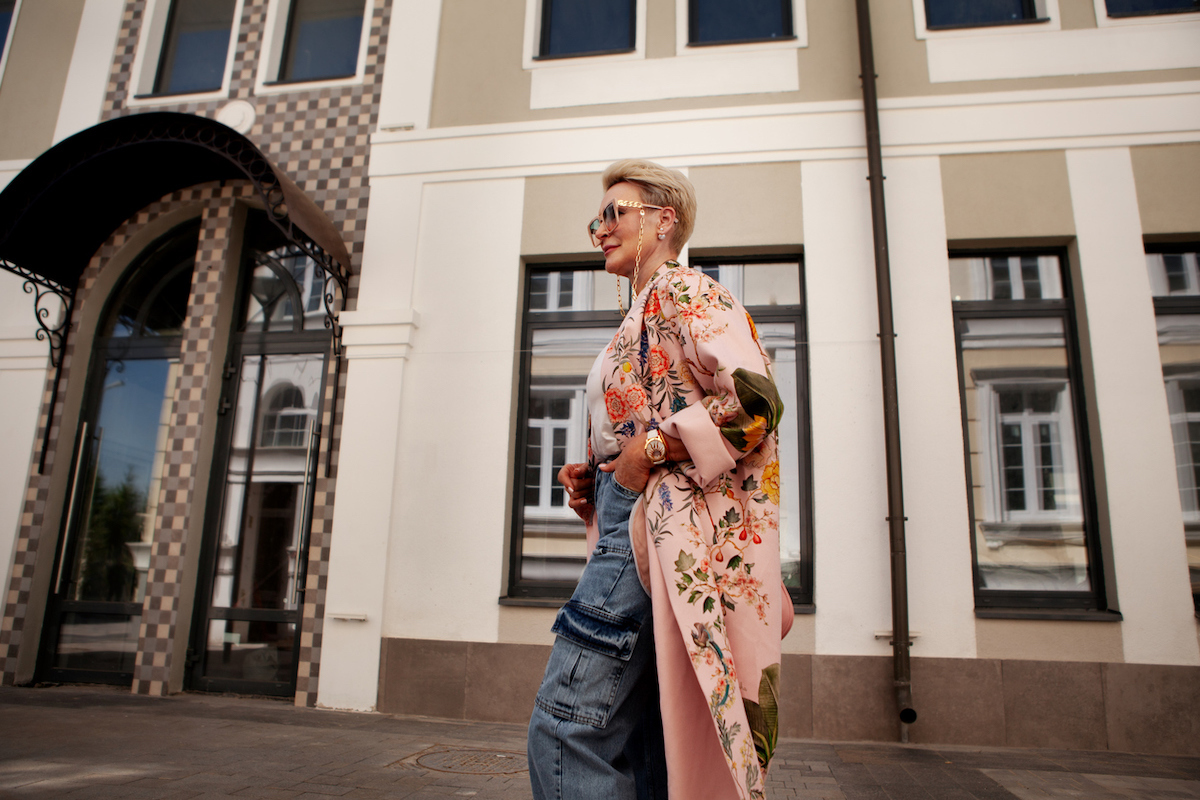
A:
[577,479]
[631,468]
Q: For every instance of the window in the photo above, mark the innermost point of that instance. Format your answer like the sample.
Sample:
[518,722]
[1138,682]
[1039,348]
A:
[1138,8]
[1033,533]
[322,40]
[975,13]
[722,22]
[196,46]
[286,421]
[7,7]
[570,315]
[1176,290]
[587,27]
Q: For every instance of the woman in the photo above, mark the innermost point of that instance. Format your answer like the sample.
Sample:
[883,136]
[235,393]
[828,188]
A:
[681,499]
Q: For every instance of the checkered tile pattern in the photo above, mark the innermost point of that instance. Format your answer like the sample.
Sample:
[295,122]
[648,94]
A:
[39,528]
[177,500]
[320,138]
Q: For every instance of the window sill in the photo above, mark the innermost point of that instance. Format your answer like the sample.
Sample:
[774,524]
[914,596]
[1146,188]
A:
[533,602]
[1002,23]
[1063,614]
[725,42]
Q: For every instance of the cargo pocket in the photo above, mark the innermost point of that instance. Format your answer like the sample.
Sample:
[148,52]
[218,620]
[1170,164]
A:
[590,655]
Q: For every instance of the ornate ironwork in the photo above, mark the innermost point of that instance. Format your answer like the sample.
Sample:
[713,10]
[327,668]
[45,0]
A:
[200,132]
[43,288]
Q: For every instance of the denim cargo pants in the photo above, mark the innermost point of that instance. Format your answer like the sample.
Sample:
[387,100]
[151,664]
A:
[596,730]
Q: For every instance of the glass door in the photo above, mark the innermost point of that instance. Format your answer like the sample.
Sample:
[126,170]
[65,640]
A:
[257,569]
[95,603]
[251,592]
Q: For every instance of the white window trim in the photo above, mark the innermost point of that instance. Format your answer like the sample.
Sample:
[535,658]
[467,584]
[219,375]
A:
[1159,286]
[271,52]
[990,452]
[8,40]
[1180,418]
[533,27]
[799,29]
[1103,20]
[149,48]
[576,427]
[1046,9]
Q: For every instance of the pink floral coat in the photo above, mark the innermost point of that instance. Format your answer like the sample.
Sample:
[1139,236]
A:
[687,359]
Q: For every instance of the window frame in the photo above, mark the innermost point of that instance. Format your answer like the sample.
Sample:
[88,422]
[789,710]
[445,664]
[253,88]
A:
[152,47]
[543,32]
[1035,9]
[532,59]
[8,37]
[1048,18]
[1103,14]
[1014,600]
[1178,305]
[274,44]
[523,591]
[788,7]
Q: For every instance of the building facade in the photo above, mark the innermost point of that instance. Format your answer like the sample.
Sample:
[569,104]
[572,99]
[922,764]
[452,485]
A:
[326,346]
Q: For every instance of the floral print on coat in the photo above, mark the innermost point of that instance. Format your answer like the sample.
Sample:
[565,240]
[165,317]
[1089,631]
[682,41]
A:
[687,359]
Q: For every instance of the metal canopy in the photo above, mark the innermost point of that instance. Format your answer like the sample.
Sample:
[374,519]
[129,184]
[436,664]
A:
[57,212]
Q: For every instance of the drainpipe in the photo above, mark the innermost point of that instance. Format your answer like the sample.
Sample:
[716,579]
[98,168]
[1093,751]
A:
[901,668]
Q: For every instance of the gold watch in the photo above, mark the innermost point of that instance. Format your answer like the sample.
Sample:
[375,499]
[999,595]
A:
[656,447]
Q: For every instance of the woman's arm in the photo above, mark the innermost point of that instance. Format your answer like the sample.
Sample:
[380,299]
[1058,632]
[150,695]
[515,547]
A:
[632,467]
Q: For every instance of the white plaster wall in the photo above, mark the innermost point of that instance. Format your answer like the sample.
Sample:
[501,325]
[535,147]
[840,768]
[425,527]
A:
[366,464]
[23,362]
[447,540]
[87,77]
[408,70]
[1154,593]
[940,591]
[850,505]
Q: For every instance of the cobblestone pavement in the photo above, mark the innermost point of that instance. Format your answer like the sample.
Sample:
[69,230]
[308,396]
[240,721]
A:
[96,742]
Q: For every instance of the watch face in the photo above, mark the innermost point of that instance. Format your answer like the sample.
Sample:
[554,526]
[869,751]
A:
[656,449]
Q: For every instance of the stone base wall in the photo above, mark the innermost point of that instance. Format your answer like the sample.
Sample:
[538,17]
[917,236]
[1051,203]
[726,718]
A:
[1142,708]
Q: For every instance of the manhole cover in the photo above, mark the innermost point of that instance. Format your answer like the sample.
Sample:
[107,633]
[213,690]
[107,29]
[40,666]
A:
[474,762]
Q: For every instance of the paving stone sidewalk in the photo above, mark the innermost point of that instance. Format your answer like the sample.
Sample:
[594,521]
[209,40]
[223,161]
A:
[96,742]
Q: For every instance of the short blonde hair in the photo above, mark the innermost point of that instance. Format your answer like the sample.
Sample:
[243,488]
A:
[658,186]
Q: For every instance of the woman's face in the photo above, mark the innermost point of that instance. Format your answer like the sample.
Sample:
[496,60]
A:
[620,246]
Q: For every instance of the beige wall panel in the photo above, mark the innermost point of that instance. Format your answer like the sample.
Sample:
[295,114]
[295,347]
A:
[479,78]
[903,70]
[36,74]
[1077,14]
[660,28]
[747,205]
[557,210]
[1168,187]
[1007,195]
[1048,640]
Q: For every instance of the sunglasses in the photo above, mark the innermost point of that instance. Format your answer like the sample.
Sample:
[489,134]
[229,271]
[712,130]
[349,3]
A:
[610,216]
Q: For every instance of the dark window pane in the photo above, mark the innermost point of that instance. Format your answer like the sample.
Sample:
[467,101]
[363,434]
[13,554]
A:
[1129,8]
[1176,272]
[194,51]
[963,13]
[1001,280]
[566,280]
[322,40]
[575,27]
[1031,277]
[6,12]
[538,291]
[749,20]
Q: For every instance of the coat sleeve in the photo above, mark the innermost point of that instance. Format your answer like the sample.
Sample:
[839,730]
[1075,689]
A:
[741,406]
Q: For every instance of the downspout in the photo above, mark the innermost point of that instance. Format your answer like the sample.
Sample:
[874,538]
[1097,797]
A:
[901,667]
